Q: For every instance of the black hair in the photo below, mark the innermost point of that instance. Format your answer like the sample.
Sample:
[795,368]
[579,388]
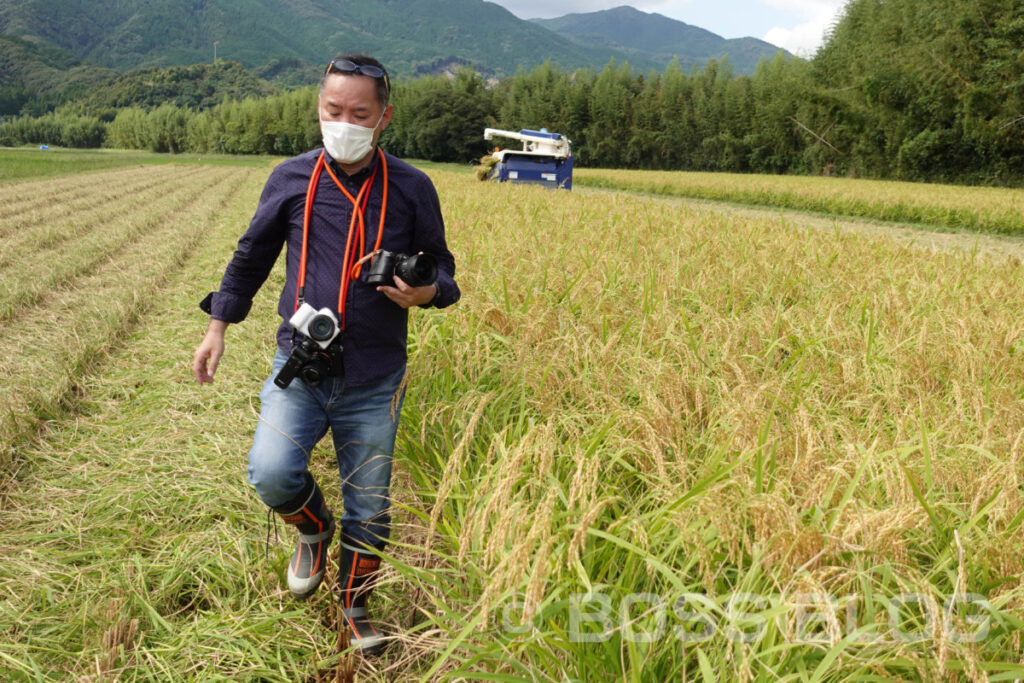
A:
[383,85]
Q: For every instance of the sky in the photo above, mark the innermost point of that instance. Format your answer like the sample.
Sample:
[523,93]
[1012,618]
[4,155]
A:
[796,25]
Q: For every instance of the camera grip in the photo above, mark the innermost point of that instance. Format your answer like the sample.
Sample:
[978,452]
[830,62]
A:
[290,370]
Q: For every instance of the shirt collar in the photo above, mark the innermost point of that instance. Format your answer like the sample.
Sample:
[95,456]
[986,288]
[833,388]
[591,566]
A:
[359,175]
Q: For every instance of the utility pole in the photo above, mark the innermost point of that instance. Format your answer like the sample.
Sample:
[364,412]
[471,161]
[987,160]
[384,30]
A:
[215,51]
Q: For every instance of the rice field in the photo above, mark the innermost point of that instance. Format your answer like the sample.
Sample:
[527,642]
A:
[21,163]
[652,442]
[947,207]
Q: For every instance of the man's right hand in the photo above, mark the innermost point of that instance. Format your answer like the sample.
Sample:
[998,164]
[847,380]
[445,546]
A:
[207,355]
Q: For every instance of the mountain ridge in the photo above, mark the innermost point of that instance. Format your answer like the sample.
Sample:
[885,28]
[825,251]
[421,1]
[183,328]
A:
[55,51]
[413,38]
[658,37]
[407,35]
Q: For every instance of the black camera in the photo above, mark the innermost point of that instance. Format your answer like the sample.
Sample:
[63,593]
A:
[418,270]
[319,355]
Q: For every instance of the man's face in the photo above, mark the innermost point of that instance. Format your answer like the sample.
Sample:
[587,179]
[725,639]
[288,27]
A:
[353,99]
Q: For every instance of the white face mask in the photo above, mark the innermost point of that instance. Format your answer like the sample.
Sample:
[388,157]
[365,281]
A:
[347,143]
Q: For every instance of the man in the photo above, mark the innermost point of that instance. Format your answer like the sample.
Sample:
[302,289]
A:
[334,207]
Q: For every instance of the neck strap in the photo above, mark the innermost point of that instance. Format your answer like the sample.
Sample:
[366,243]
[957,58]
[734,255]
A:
[355,243]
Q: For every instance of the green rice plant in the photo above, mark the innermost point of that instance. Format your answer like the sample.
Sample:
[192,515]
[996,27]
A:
[775,396]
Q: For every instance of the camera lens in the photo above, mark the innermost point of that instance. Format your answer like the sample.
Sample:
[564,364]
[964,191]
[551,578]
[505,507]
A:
[316,369]
[321,328]
[311,375]
[418,270]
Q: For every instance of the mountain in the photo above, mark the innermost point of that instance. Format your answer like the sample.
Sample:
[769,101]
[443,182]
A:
[40,77]
[52,51]
[199,86]
[653,37]
[411,36]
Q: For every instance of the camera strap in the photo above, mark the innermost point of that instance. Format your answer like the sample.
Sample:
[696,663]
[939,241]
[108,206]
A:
[355,243]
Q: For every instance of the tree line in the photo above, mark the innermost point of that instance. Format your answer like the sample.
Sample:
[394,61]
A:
[901,89]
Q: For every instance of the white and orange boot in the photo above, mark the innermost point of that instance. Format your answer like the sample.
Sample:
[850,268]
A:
[316,526]
[358,569]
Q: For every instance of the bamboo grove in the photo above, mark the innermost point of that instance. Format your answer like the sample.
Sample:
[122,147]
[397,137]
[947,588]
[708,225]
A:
[900,89]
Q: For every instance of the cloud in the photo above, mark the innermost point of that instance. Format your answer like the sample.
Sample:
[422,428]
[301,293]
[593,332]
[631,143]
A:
[805,37]
[545,9]
[797,25]
[802,40]
[808,8]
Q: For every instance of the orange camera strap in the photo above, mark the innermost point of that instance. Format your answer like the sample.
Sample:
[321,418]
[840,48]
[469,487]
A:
[355,243]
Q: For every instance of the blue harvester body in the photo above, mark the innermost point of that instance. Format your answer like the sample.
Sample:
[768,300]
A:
[545,159]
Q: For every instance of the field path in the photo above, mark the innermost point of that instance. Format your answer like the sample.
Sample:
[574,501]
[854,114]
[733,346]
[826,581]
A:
[936,238]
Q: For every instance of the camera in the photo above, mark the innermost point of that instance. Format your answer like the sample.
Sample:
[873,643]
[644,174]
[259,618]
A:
[418,270]
[320,326]
[319,354]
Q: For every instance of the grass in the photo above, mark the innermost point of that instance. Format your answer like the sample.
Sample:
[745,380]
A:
[649,444]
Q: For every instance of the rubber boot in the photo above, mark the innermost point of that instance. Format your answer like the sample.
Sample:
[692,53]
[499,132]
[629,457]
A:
[357,574]
[309,514]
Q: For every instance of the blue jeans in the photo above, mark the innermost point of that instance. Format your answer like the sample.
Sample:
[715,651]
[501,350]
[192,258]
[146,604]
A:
[363,421]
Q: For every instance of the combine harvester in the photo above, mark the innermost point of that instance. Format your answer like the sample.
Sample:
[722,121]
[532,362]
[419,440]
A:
[545,159]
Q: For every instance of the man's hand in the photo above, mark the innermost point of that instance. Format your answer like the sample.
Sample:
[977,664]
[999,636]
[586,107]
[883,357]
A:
[207,355]
[406,296]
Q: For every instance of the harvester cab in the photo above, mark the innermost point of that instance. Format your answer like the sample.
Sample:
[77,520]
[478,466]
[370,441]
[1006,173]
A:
[545,158]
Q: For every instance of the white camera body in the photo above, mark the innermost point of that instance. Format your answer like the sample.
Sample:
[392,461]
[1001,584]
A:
[320,326]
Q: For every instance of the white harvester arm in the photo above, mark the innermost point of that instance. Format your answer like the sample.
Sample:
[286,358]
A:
[534,141]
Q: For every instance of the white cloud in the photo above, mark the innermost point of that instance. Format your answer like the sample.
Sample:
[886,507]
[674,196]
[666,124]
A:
[805,37]
[545,9]
[797,25]
[802,40]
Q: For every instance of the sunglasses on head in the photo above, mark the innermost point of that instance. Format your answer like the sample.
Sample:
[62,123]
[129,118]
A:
[347,66]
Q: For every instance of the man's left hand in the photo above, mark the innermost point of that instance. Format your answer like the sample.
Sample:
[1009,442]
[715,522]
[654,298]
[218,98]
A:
[406,296]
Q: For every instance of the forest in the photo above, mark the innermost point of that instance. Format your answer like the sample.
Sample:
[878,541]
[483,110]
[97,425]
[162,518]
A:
[900,89]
